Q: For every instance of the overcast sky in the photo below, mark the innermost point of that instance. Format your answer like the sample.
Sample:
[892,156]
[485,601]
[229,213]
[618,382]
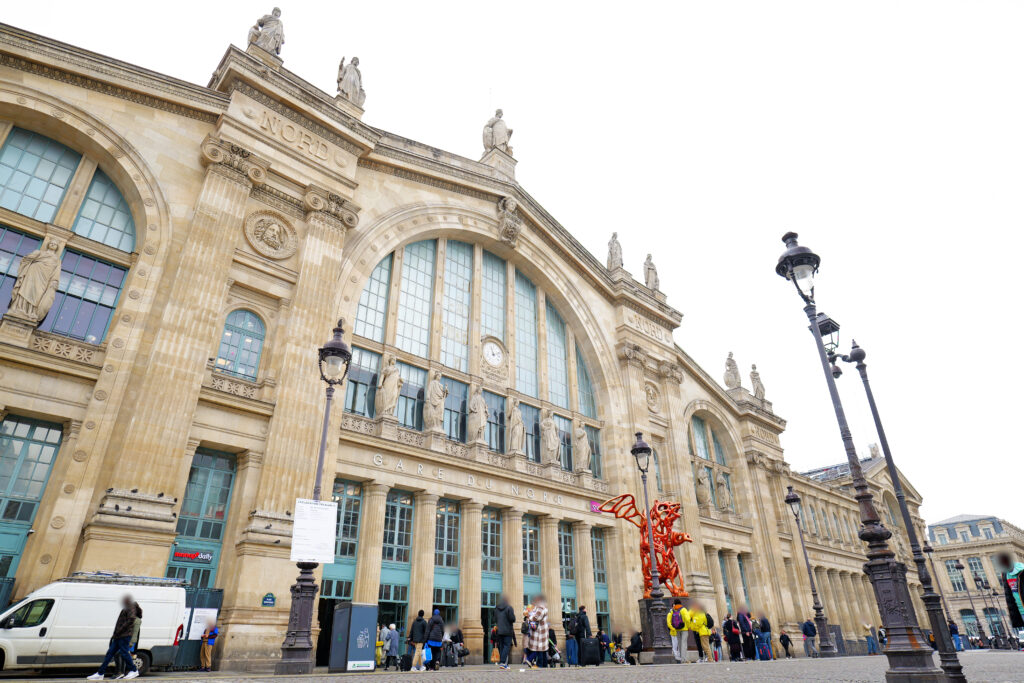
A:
[890,135]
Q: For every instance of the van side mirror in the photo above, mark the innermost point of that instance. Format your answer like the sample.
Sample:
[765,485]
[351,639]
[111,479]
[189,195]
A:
[6,623]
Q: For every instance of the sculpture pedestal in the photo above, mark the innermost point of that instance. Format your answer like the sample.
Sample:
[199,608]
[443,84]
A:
[435,441]
[387,427]
[16,330]
[273,61]
[348,106]
[502,162]
[653,625]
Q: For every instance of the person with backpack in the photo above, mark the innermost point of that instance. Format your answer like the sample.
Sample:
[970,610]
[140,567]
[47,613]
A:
[572,657]
[678,620]
[809,631]
[699,625]
[435,639]
[504,625]
[579,626]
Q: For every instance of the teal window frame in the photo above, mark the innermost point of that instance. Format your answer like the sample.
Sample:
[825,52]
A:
[491,540]
[527,337]
[494,291]
[531,546]
[399,509]
[203,526]
[566,559]
[448,522]
[35,173]
[597,548]
[241,344]
[349,497]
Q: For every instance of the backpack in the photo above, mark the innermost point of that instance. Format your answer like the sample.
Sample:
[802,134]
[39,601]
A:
[711,622]
[677,620]
[525,628]
[574,624]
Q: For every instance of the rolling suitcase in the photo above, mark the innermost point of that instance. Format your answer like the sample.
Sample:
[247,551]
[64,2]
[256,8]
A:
[590,652]
[763,653]
[405,663]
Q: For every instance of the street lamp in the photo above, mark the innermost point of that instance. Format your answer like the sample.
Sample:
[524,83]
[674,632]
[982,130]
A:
[981,627]
[656,610]
[942,594]
[297,649]
[996,599]
[825,645]
[932,602]
[909,657]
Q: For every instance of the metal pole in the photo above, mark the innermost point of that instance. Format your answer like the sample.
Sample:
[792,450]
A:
[826,647]
[909,657]
[660,642]
[323,443]
[942,593]
[977,620]
[932,602]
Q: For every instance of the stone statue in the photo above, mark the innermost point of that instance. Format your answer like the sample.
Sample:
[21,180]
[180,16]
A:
[268,33]
[388,388]
[433,405]
[651,275]
[755,383]
[511,224]
[550,442]
[350,82]
[614,252]
[497,134]
[36,286]
[477,422]
[724,494]
[732,373]
[581,448]
[515,429]
[875,453]
[703,486]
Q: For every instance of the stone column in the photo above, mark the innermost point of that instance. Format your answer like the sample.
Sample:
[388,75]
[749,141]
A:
[512,556]
[825,595]
[550,576]
[469,580]
[842,608]
[366,586]
[732,570]
[719,584]
[854,601]
[623,612]
[583,551]
[868,599]
[421,576]
[157,422]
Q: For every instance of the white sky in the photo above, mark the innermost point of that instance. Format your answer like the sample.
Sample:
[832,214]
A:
[888,134]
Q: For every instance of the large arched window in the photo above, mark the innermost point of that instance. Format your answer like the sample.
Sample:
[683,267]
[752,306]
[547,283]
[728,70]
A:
[522,328]
[707,453]
[241,344]
[44,183]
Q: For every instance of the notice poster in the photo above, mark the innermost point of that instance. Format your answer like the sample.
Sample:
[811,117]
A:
[201,617]
[313,532]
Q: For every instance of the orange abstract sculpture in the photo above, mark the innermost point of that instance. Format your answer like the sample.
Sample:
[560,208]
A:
[665,540]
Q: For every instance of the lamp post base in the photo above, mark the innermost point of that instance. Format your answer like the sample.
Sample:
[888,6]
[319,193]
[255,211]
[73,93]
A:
[653,615]
[297,649]
[826,644]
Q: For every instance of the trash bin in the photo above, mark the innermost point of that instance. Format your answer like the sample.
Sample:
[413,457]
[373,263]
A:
[353,638]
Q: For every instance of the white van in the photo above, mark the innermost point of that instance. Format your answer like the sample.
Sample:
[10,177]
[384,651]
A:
[69,623]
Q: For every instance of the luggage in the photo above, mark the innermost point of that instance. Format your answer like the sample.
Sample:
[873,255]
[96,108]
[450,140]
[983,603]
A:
[405,664]
[590,652]
[763,653]
[448,657]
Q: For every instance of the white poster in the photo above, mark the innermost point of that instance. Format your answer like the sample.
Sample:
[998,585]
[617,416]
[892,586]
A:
[313,533]
[200,618]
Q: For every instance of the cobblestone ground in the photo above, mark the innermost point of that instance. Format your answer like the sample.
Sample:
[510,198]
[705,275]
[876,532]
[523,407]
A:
[979,667]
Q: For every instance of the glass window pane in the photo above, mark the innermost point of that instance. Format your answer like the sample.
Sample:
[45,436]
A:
[526,336]
[558,363]
[584,388]
[362,382]
[36,172]
[458,284]
[241,345]
[415,298]
[371,315]
[105,216]
[83,305]
[493,285]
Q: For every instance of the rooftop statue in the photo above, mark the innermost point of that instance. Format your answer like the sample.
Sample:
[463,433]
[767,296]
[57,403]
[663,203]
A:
[497,134]
[350,82]
[732,373]
[268,33]
[651,275]
[614,252]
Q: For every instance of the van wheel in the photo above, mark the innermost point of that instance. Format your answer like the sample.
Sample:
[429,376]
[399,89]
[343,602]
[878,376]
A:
[142,662]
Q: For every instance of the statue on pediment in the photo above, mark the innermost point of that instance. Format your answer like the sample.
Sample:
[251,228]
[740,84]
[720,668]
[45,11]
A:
[581,448]
[497,134]
[36,286]
[651,275]
[350,82]
[724,494]
[433,404]
[732,373]
[476,427]
[755,383]
[516,429]
[388,388]
[703,486]
[550,441]
[268,33]
[614,252]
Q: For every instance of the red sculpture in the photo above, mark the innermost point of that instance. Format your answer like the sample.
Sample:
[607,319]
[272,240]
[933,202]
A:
[665,540]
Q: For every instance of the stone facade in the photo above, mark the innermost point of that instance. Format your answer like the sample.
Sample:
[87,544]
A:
[260,193]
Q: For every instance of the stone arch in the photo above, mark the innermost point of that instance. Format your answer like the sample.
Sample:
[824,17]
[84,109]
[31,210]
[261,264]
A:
[717,418]
[414,222]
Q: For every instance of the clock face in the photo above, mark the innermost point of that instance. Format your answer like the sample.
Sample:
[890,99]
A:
[493,354]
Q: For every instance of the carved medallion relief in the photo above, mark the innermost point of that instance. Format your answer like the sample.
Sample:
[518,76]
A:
[270,235]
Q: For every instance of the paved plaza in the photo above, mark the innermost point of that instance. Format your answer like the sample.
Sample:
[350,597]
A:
[987,667]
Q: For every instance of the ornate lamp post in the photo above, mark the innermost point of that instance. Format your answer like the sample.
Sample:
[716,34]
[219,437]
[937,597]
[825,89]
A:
[908,654]
[945,606]
[932,602]
[967,589]
[297,649]
[656,610]
[825,645]
[996,599]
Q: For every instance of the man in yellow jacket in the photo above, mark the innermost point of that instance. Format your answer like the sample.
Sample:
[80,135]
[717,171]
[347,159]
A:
[678,620]
[699,625]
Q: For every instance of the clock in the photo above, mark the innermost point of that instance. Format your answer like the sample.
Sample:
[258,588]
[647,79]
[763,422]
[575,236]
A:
[493,354]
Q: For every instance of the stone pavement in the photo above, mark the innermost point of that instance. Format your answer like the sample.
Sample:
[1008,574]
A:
[979,667]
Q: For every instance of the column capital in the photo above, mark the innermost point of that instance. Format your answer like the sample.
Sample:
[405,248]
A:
[233,161]
[511,514]
[728,552]
[582,525]
[426,498]
[333,209]
[375,488]
[547,521]
[471,506]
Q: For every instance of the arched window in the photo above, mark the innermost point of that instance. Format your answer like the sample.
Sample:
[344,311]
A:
[970,621]
[814,520]
[44,182]
[708,452]
[584,387]
[373,302]
[657,470]
[241,344]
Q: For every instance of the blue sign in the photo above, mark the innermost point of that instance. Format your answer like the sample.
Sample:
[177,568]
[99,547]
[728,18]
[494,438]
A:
[269,600]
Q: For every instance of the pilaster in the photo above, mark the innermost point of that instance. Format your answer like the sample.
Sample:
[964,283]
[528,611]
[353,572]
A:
[583,550]
[470,581]
[711,555]
[550,575]
[421,577]
[732,570]
[371,543]
[512,554]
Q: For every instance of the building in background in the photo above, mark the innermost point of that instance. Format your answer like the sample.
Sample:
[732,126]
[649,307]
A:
[180,251]
[975,541]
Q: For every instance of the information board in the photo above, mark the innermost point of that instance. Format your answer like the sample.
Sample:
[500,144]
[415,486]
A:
[314,531]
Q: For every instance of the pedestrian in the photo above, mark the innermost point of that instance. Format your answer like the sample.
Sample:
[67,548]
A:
[869,637]
[766,633]
[954,631]
[809,631]
[716,644]
[209,639]
[786,642]
[636,645]
[418,638]
[459,643]
[678,620]
[699,625]
[504,629]
[122,664]
[882,638]
[732,638]
[119,642]
[435,639]
[747,633]
[571,646]
[390,639]
[537,640]
[579,626]
[605,642]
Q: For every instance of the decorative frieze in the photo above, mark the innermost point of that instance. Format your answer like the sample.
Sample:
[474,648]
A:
[355,423]
[63,347]
[235,387]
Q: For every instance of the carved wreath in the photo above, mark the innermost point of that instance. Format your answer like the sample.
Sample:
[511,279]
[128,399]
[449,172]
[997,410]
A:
[270,235]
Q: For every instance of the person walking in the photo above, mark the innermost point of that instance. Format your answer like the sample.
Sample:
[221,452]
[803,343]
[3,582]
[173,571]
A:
[119,642]
[678,620]
[716,644]
[786,642]
[537,640]
[390,647]
[808,629]
[504,625]
[209,639]
[747,633]
[766,633]
[435,639]
[605,642]
[869,637]
[954,631]
[418,638]
[583,631]
[732,638]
